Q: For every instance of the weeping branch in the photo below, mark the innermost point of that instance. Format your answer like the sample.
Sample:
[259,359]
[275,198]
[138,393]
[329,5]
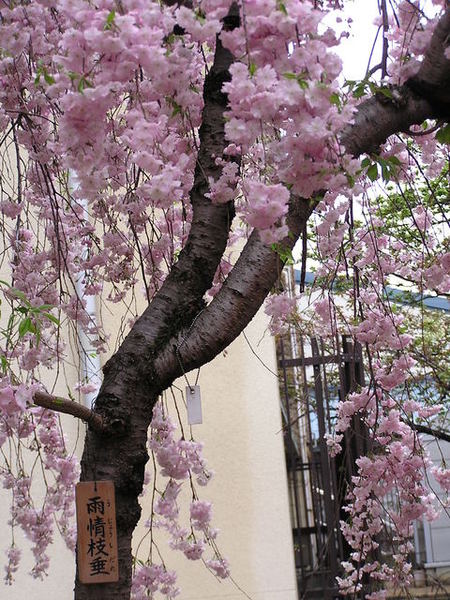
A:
[440,434]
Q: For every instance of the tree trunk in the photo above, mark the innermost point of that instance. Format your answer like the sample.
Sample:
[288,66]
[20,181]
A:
[126,401]
[131,385]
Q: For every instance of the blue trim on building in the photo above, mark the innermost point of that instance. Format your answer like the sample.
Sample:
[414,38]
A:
[395,294]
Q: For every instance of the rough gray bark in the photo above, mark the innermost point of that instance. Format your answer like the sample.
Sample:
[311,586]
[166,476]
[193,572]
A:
[146,362]
[375,121]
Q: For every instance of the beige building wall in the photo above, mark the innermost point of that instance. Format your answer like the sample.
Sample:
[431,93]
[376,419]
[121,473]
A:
[244,446]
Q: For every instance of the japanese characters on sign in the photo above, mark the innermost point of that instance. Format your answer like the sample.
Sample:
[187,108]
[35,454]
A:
[97,557]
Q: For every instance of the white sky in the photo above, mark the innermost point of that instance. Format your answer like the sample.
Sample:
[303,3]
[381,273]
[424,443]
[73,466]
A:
[355,50]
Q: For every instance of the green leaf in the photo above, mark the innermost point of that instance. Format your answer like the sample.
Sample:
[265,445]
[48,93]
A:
[335,99]
[110,20]
[372,172]
[19,294]
[360,90]
[176,109]
[284,253]
[385,91]
[25,326]
[84,83]
[48,78]
[385,172]
[51,318]
[351,180]
[44,307]
[4,363]
[365,163]
[170,39]
[10,321]
[282,8]
[252,69]
[443,135]
[299,78]
[200,15]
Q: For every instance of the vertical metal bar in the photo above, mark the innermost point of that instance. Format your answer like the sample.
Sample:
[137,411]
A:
[348,467]
[354,377]
[325,467]
[312,486]
[359,378]
[316,483]
[90,366]
[333,470]
[293,461]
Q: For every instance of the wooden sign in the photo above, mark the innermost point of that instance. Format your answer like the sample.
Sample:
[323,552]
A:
[97,555]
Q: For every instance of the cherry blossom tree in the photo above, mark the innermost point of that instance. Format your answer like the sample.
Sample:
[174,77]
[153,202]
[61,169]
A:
[145,141]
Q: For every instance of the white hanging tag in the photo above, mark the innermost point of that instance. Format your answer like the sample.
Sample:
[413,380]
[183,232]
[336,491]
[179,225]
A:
[194,405]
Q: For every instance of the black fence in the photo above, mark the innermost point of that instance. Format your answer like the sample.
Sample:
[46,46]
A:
[313,379]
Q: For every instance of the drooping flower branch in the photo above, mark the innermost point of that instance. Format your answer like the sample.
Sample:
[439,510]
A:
[164,120]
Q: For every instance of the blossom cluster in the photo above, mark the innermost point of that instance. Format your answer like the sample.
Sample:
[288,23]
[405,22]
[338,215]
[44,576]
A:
[178,461]
[39,430]
[358,248]
[389,492]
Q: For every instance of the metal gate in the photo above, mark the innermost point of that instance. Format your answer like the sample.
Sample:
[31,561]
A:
[314,377]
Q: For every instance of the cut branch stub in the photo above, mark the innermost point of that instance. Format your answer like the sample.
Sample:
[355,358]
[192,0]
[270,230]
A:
[69,407]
